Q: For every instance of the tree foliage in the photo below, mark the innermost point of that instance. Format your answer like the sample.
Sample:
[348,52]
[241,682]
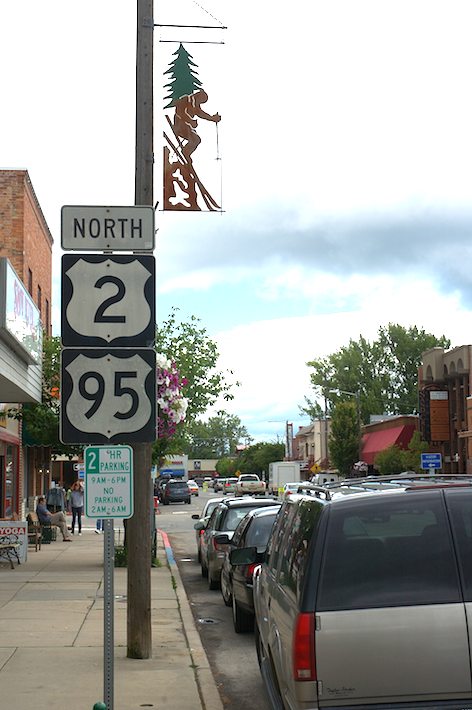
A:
[184,80]
[381,375]
[256,458]
[196,356]
[344,438]
[395,460]
[41,420]
[226,467]
[215,438]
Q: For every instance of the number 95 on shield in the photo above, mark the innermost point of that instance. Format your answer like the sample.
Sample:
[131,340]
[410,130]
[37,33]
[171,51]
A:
[108,396]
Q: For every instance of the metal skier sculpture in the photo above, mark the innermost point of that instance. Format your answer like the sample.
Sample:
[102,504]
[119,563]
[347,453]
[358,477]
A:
[183,189]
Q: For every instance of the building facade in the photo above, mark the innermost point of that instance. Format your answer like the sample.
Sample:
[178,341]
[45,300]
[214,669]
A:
[446,406]
[26,286]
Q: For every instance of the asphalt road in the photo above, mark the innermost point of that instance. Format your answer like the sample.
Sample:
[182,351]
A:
[232,656]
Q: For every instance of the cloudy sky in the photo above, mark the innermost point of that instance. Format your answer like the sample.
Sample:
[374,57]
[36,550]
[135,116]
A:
[345,152]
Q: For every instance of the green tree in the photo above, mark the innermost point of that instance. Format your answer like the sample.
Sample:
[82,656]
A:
[215,438]
[41,420]
[412,456]
[226,467]
[382,374]
[256,458]
[196,356]
[390,461]
[344,439]
[184,80]
[395,460]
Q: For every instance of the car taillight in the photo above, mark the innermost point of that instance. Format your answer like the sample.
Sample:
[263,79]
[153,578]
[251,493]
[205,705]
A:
[304,667]
[202,532]
[250,571]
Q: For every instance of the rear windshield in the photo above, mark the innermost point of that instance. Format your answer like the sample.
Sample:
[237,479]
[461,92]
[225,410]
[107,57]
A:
[259,531]
[393,552]
[234,516]
[178,484]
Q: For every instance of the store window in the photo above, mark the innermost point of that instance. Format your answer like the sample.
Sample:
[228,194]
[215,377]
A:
[9,474]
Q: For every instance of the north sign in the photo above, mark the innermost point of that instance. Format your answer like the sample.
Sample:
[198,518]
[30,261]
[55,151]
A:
[108,300]
[108,482]
[97,228]
[108,396]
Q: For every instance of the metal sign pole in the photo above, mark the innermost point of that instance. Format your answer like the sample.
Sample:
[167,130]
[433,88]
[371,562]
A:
[108,613]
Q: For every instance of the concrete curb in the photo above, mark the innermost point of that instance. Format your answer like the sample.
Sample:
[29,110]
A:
[208,690]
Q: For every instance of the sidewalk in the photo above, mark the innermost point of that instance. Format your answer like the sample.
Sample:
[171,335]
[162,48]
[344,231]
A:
[51,635]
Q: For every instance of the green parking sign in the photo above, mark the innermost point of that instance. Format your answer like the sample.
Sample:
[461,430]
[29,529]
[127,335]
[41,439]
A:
[108,482]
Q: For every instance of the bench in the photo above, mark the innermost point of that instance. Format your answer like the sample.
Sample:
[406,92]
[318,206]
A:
[9,550]
[35,534]
[48,532]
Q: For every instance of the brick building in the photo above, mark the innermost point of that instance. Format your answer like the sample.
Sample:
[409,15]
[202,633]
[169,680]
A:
[446,406]
[26,281]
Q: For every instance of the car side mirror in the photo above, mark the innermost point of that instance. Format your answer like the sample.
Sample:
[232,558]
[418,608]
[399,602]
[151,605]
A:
[243,556]
[222,539]
[195,516]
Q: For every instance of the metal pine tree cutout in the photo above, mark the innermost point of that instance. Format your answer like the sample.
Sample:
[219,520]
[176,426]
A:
[183,189]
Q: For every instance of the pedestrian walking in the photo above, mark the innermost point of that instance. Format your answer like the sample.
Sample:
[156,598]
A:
[77,505]
[99,526]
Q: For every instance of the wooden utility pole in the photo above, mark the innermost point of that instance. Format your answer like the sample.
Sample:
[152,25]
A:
[138,532]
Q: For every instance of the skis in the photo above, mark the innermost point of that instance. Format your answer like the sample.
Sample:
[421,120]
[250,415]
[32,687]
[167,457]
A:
[207,198]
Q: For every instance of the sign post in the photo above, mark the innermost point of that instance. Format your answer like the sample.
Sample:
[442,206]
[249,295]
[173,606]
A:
[108,495]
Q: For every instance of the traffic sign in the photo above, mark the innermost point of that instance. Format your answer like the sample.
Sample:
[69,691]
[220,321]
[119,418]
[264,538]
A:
[97,228]
[108,482]
[431,461]
[108,300]
[108,396]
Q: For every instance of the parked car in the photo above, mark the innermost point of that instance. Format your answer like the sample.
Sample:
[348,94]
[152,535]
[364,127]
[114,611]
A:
[236,581]
[230,485]
[193,488]
[225,518]
[363,600]
[249,484]
[160,486]
[203,519]
[176,491]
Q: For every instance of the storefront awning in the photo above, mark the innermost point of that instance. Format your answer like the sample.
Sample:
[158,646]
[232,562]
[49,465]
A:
[376,441]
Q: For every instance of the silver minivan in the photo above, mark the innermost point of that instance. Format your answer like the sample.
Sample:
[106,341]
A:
[365,601]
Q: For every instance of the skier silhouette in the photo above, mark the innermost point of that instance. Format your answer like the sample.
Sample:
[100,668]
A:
[185,123]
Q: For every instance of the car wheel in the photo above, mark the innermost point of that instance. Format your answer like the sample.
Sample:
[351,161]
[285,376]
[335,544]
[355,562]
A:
[212,582]
[166,502]
[199,556]
[242,621]
[203,566]
[225,593]
[189,500]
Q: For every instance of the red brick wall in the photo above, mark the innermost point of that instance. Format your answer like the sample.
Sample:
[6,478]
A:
[25,237]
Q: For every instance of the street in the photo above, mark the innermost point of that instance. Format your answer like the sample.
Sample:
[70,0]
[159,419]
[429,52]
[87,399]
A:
[232,656]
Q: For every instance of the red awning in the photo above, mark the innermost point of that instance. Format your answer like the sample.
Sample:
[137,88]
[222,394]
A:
[376,441]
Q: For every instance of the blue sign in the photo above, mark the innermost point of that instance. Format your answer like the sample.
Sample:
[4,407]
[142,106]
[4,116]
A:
[429,461]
